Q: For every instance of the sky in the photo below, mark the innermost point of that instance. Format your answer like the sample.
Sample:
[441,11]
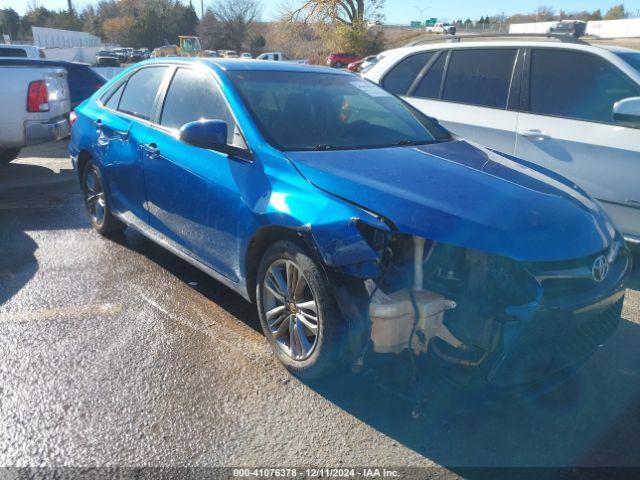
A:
[402,11]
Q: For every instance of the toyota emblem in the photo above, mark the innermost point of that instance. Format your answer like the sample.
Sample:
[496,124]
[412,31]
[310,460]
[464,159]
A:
[600,268]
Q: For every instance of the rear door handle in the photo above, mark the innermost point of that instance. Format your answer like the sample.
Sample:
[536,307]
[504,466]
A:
[535,134]
[151,150]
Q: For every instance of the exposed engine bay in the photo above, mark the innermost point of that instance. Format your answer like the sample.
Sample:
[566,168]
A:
[467,307]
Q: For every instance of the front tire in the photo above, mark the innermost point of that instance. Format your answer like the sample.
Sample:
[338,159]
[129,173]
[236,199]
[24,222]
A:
[97,202]
[8,155]
[298,313]
[338,64]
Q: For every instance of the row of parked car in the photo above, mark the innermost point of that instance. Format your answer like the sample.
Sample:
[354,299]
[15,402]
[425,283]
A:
[117,56]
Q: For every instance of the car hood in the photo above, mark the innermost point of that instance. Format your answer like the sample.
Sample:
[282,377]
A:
[462,194]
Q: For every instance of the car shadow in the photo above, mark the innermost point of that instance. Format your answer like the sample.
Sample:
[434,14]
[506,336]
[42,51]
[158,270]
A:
[592,419]
[32,198]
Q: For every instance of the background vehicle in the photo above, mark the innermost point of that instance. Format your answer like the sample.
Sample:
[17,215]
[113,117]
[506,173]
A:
[189,46]
[83,81]
[359,64]
[339,60]
[566,106]
[35,107]
[443,28]
[280,57]
[165,51]
[365,234]
[211,53]
[575,28]
[21,51]
[107,58]
[246,55]
[229,54]
[122,54]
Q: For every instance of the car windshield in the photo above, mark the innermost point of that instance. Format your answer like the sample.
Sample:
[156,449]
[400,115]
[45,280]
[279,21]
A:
[632,58]
[321,111]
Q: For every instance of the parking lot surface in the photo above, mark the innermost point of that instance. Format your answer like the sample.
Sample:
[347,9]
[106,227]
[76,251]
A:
[114,352]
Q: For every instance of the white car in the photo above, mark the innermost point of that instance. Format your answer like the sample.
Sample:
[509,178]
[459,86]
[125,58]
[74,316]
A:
[443,28]
[21,51]
[571,107]
[35,107]
[280,57]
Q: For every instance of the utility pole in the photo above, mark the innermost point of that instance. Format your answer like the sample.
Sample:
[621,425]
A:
[201,9]
[69,4]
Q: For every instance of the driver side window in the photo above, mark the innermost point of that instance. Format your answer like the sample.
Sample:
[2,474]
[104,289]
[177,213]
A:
[192,96]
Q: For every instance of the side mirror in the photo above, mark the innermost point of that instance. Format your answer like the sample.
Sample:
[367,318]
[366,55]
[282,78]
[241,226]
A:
[627,112]
[211,134]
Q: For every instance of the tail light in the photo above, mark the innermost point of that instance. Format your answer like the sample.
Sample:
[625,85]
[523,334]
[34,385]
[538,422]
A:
[72,117]
[38,97]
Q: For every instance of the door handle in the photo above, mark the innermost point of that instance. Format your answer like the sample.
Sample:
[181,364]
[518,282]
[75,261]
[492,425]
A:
[151,150]
[535,134]
[98,125]
[121,134]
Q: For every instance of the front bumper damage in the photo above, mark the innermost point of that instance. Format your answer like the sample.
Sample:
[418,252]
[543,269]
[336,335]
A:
[483,317]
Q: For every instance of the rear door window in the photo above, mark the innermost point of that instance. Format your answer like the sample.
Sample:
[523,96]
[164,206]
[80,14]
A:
[401,76]
[193,96]
[140,92]
[479,76]
[429,86]
[576,85]
[12,52]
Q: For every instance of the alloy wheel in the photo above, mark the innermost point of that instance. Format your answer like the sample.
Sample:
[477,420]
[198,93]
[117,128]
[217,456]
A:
[94,198]
[290,309]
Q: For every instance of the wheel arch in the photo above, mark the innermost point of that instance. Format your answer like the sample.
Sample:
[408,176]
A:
[262,240]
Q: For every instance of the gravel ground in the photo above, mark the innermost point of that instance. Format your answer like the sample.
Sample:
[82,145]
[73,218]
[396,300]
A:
[115,352]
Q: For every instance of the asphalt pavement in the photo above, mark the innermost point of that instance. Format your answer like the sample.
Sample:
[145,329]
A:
[114,352]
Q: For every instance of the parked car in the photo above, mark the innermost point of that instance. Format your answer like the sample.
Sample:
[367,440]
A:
[211,53]
[574,28]
[358,64]
[35,107]
[246,55]
[280,57]
[138,56]
[21,51]
[570,107]
[351,219]
[339,60]
[441,28]
[83,81]
[107,58]
[229,54]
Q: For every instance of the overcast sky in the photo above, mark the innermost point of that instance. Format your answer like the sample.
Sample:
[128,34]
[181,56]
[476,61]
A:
[401,11]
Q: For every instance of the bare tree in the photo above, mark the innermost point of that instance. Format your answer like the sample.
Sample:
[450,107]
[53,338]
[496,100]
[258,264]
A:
[235,20]
[347,12]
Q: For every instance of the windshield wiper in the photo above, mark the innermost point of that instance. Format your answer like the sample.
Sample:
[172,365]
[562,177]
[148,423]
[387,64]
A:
[323,146]
[404,143]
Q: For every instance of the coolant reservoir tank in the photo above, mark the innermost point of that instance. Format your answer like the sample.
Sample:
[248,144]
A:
[392,318]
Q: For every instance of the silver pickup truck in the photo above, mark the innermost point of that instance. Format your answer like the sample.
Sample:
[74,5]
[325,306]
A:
[34,107]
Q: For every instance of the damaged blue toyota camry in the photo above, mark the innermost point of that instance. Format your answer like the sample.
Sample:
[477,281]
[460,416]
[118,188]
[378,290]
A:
[357,225]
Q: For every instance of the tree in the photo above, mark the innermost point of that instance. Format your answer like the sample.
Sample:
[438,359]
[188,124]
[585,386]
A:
[236,18]
[119,30]
[347,12]
[616,12]
[9,22]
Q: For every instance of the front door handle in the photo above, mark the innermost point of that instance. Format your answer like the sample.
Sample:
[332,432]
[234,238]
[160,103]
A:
[535,134]
[151,150]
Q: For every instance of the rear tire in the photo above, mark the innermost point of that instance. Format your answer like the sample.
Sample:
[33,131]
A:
[97,201]
[338,64]
[298,312]
[8,155]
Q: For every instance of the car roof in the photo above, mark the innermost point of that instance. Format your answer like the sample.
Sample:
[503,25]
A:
[570,45]
[239,64]
[41,62]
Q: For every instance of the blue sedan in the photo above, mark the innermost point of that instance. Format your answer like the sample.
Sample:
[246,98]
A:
[357,225]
